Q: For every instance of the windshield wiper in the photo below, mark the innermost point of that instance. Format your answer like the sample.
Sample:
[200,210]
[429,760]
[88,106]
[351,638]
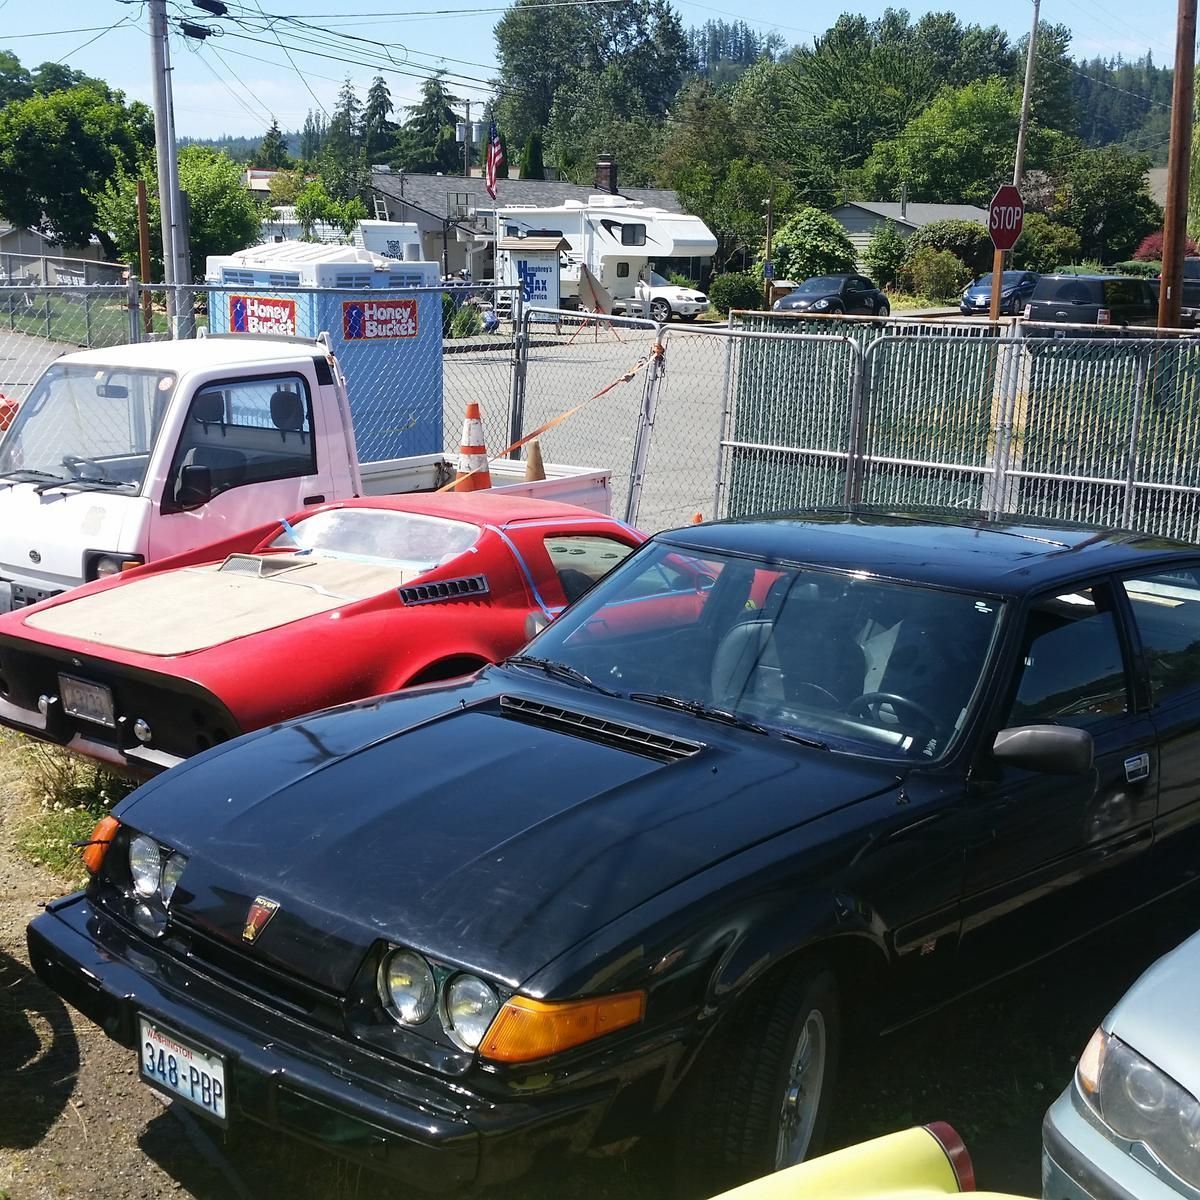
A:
[799,738]
[698,709]
[561,671]
[82,485]
[21,475]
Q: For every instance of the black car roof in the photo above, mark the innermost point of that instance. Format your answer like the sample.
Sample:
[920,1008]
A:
[1100,278]
[1010,556]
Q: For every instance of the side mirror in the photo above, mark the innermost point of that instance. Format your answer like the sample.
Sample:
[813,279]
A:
[195,487]
[1049,749]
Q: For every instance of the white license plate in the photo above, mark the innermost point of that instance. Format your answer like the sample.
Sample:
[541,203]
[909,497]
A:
[180,1067]
[88,701]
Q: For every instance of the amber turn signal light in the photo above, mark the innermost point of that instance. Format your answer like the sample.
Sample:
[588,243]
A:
[96,847]
[526,1029]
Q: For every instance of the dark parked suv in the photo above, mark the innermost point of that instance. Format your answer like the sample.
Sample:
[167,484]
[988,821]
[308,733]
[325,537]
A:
[1118,300]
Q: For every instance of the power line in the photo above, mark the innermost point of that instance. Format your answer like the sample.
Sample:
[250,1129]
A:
[295,68]
[125,20]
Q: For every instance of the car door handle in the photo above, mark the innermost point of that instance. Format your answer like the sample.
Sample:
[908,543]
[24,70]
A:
[314,499]
[1137,768]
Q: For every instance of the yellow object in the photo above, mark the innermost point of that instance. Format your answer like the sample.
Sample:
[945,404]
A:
[900,1166]
[526,1029]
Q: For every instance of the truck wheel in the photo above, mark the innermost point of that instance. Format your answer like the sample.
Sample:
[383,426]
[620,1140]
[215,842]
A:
[760,1096]
[660,311]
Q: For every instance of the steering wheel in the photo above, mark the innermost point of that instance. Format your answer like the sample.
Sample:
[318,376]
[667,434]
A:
[72,462]
[824,693]
[869,704]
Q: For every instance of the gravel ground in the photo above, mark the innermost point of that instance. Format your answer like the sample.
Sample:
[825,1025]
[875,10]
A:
[75,1121]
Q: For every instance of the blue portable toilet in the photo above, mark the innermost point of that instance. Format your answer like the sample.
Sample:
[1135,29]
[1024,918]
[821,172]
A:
[385,330]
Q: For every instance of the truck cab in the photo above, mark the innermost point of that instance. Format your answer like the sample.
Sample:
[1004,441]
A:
[136,452]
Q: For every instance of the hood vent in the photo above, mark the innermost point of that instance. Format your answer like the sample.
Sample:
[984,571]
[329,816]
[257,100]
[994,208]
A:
[444,589]
[633,738]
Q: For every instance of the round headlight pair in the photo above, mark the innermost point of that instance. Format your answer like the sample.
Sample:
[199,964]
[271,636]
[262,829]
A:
[150,873]
[409,992]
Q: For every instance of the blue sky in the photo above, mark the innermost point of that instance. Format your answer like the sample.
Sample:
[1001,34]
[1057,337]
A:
[233,84]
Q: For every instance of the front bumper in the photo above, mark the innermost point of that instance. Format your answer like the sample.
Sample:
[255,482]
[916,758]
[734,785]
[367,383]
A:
[301,1080]
[688,308]
[1080,1163]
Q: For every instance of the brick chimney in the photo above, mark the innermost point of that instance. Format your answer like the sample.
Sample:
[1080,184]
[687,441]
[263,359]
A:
[606,174]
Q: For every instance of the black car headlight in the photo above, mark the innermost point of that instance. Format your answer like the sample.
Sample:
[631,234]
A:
[1139,1103]
[407,987]
[145,865]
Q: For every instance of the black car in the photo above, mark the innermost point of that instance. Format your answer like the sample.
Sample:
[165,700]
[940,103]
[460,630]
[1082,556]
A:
[1016,287]
[1116,300]
[854,294]
[771,782]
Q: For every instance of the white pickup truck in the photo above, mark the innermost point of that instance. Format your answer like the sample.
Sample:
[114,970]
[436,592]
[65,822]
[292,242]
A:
[129,454]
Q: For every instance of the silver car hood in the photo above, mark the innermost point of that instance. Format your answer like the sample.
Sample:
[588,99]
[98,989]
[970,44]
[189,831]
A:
[1157,1016]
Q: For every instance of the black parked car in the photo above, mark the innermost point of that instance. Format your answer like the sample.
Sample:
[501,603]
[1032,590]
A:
[1016,287]
[769,782]
[1117,300]
[853,294]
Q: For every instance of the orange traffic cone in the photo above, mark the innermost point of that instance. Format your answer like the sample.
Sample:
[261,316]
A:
[8,412]
[473,473]
[534,467]
[698,519]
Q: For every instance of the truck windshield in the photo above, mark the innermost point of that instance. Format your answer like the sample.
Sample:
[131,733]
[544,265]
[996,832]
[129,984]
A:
[89,424]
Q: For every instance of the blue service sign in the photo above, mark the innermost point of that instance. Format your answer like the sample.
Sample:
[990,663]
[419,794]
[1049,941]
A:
[768,270]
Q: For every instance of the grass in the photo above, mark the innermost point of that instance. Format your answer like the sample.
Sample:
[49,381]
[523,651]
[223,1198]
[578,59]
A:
[65,795]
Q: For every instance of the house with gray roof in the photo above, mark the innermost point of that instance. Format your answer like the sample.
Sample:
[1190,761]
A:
[861,218]
[452,212]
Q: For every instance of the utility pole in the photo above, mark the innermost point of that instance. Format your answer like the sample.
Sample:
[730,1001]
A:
[1026,98]
[176,259]
[1170,292]
[1019,163]
[467,144]
[769,272]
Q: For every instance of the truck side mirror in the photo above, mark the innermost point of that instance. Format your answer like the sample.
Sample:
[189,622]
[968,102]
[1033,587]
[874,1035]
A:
[1049,749]
[195,486]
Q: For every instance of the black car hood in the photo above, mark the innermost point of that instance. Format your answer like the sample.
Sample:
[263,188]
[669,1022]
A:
[435,820]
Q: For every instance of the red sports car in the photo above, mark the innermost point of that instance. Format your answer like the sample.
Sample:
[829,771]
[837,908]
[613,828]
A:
[336,603]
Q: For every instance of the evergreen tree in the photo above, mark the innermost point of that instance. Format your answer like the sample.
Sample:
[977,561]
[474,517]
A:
[272,151]
[378,133]
[531,158]
[341,159]
[312,136]
[426,141]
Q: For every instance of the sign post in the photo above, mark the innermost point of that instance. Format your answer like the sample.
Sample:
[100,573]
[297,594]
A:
[1006,214]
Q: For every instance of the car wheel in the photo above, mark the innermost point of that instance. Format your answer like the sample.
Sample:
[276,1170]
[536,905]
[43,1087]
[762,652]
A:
[760,1097]
[884,311]
[660,311]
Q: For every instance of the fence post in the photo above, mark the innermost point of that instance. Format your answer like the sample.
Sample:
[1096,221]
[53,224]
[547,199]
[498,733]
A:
[87,316]
[131,306]
[655,371]
[860,388]
[723,428]
[520,364]
[1135,429]
[1011,365]
[49,316]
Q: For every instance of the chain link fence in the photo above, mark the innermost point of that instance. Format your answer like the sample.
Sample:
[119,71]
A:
[601,366]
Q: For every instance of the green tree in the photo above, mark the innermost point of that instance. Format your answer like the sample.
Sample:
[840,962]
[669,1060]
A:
[1044,244]
[1105,198]
[811,243]
[222,216]
[934,274]
[885,254]
[15,80]
[272,150]
[313,204]
[378,131]
[968,241]
[285,186]
[54,77]
[531,157]
[341,158]
[426,140]
[58,152]
[312,136]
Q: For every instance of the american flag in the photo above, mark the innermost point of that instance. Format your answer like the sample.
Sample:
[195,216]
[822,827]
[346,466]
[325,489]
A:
[495,159]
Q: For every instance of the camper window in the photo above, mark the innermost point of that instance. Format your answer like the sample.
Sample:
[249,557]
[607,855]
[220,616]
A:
[633,235]
[622,270]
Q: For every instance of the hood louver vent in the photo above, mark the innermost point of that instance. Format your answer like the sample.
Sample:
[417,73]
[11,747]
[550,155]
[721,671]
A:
[444,589]
[634,738]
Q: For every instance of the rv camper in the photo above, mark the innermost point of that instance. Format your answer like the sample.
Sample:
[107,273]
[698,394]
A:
[620,241]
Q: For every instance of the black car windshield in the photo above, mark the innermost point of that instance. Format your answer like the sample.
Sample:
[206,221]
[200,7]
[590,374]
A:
[1009,278]
[820,285]
[861,665]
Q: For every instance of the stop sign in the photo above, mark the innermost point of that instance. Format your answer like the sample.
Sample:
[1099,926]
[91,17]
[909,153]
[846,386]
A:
[1006,213]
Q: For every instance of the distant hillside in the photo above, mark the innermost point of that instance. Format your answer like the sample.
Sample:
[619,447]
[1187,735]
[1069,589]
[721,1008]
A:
[242,149]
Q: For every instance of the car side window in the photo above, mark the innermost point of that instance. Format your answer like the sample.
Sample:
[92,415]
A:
[1166,610]
[581,560]
[1072,669]
[246,431]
